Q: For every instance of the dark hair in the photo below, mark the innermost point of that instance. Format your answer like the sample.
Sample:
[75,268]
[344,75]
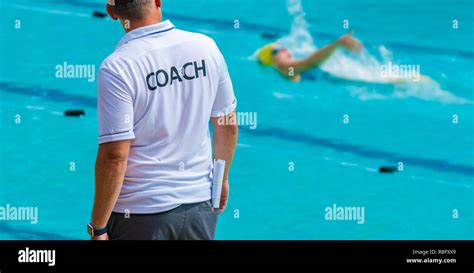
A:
[131,9]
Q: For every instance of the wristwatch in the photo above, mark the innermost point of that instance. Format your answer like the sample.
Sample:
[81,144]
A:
[93,232]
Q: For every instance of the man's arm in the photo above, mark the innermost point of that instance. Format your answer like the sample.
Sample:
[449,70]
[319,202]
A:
[110,169]
[224,140]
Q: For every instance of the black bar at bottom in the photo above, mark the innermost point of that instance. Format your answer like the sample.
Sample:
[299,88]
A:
[237,256]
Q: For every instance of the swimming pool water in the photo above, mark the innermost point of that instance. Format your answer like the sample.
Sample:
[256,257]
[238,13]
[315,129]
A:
[301,158]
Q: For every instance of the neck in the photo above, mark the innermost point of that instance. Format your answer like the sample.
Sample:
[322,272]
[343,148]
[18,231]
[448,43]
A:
[131,25]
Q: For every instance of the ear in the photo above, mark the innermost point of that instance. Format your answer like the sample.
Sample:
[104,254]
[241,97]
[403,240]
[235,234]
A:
[111,12]
[158,3]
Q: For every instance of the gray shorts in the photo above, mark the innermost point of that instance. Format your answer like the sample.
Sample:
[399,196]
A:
[186,222]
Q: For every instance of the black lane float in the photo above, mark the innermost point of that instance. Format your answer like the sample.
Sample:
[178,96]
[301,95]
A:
[386,169]
[99,14]
[74,113]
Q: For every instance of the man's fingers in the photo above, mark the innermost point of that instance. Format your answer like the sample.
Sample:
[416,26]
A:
[224,197]
[222,205]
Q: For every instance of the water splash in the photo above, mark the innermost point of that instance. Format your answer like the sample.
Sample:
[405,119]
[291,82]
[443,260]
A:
[363,67]
[429,91]
[299,40]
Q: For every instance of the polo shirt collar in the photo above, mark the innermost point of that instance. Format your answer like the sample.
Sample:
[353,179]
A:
[146,31]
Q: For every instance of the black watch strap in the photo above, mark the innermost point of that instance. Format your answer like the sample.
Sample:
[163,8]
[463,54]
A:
[93,232]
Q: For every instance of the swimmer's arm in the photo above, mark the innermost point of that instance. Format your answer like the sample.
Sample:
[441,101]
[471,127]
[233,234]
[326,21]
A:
[110,167]
[293,69]
[316,59]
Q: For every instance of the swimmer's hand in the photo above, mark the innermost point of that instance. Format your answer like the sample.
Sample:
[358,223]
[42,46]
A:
[350,43]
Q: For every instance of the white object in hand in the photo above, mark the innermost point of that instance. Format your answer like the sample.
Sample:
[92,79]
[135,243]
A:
[217,180]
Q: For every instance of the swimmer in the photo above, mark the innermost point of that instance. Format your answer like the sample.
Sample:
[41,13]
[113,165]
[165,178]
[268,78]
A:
[281,58]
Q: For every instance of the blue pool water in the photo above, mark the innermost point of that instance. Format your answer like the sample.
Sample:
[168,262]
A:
[299,125]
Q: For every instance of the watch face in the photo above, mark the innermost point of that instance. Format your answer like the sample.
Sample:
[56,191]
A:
[90,230]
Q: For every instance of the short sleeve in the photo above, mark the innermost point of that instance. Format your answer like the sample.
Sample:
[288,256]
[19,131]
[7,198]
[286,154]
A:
[115,108]
[225,101]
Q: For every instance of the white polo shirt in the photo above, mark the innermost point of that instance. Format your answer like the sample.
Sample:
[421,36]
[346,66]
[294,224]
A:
[159,89]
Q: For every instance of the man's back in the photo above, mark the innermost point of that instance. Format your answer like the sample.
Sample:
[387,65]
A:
[163,85]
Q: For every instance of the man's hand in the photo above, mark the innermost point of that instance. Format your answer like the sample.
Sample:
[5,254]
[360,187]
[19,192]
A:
[224,196]
[103,237]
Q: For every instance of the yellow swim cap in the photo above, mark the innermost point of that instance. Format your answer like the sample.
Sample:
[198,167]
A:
[265,56]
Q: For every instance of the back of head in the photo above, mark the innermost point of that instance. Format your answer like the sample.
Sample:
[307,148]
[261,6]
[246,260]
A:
[265,56]
[133,10]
